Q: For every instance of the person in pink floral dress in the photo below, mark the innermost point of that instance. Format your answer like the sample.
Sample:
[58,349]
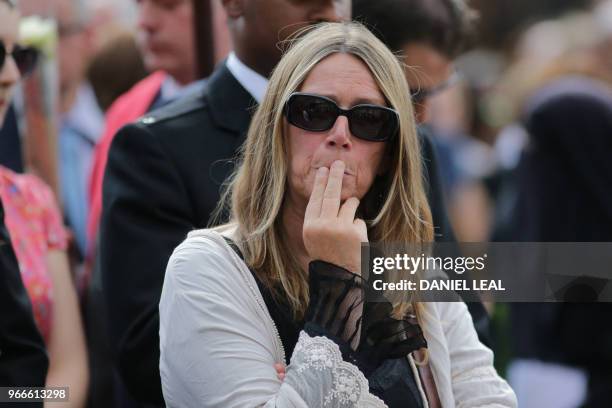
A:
[36,227]
[38,237]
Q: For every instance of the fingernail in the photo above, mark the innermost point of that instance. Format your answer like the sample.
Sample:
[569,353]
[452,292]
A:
[338,163]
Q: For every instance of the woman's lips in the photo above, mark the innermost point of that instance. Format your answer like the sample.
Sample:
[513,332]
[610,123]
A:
[346,172]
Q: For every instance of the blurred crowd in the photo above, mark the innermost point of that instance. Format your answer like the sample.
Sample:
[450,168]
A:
[517,107]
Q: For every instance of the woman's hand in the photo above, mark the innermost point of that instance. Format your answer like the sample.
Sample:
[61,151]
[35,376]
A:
[281,371]
[331,232]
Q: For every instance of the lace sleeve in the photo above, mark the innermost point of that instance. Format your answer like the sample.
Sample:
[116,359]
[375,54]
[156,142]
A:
[318,360]
[366,336]
[329,352]
[336,303]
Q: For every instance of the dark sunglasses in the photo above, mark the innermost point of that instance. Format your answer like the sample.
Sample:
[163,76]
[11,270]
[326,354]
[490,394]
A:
[317,114]
[25,58]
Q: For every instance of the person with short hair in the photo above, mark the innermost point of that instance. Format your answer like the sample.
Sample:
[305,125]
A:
[427,35]
[166,39]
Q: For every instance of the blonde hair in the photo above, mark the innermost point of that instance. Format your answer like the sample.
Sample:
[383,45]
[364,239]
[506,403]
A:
[256,191]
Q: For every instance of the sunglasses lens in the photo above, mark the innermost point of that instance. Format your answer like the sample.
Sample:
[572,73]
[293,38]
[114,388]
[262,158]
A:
[316,114]
[2,55]
[311,113]
[25,58]
[373,123]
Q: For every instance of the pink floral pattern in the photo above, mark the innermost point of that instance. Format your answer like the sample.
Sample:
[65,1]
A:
[34,221]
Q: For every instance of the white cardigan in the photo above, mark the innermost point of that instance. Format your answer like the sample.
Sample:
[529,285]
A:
[219,345]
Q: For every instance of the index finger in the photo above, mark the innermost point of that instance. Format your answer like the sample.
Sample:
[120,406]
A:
[313,209]
[333,191]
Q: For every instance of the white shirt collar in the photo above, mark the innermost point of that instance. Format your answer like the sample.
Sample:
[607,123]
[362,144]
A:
[170,89]
[250,80]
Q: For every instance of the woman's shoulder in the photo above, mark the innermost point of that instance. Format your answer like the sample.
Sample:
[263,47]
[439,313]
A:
[28,185]
[207,240]
[441,315]
[200,243]
[33,202]
[221,231]
[203,254]
[454,312]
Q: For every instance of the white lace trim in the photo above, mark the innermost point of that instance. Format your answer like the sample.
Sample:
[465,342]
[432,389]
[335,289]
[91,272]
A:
[349,387]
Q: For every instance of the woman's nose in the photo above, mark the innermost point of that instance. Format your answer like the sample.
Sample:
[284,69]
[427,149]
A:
[148,16]
[339,135]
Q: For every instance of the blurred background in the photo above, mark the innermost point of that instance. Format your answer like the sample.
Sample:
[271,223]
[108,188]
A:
[517,161]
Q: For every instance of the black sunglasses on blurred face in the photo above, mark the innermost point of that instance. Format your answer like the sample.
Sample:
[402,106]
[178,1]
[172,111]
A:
[24,57]
[317,113]
[420,95]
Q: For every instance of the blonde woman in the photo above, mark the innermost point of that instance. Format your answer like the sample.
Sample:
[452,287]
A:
[331,160]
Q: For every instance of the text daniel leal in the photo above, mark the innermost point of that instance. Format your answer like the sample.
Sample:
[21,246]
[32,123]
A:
[440,284]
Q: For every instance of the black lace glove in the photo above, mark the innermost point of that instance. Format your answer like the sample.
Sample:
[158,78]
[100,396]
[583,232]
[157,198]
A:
[336,303]
[366,339]
[385,337]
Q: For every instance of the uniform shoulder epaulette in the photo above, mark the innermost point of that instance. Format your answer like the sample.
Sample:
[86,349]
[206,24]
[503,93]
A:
[183,106]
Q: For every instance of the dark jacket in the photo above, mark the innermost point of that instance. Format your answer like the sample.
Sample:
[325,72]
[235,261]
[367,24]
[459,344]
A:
[163,179]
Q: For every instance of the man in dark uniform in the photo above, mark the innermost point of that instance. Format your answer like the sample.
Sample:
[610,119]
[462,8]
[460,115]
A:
[165,173]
